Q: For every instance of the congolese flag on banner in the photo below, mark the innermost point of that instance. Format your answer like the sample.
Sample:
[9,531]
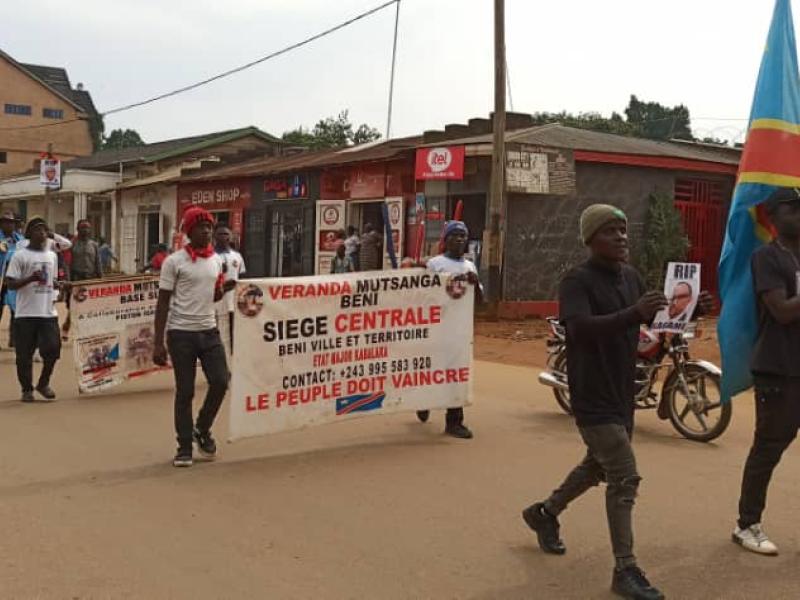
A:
[771,159]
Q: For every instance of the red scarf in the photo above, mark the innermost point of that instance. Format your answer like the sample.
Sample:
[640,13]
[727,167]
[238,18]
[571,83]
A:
[206,252]
[195,253]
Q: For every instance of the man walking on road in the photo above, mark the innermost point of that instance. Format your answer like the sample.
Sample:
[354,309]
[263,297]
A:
[32,274]
[233,268]
[775,365]
[192,280]
[465,274]
[602,304]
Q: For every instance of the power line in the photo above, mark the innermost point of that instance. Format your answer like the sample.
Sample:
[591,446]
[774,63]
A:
[224,74]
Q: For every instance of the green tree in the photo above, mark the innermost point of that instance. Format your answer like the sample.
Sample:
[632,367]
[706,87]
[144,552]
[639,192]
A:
[650,120]
[332,132]
[119,138]
[588,120]
[665,240]
[658,122]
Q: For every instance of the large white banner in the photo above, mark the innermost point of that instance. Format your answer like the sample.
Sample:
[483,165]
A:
[113,323]
[314,350]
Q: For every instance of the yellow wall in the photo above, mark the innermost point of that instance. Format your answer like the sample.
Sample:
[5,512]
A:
[23,146]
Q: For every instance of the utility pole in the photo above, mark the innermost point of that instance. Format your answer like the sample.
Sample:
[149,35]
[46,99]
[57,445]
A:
[47,209]
[494,249]
[391,77]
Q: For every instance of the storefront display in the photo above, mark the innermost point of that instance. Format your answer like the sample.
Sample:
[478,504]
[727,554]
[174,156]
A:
[226,200]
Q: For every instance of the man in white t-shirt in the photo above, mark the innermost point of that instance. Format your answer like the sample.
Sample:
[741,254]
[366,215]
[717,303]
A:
[233,268]
[192,280]
[453,262]
[32,274]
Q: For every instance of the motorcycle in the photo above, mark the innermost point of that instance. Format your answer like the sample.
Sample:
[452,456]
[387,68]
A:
[690,395]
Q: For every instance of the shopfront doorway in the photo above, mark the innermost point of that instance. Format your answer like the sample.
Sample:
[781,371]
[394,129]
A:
[149,235]
[280,239]
[360,213]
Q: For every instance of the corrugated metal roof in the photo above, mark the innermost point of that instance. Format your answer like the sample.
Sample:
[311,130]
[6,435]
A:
[112,157]
[309,160]
[558,136]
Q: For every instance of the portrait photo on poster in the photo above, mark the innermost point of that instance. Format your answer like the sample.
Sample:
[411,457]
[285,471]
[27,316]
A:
[682,289]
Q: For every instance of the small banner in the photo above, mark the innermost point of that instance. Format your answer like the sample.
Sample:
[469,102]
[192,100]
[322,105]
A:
[50,173]
[113,322]
[314,350]
[682,289]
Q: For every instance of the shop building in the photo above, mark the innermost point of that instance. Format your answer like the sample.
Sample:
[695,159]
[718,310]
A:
[83,195]
[145,211]
[554,172]
[300,204]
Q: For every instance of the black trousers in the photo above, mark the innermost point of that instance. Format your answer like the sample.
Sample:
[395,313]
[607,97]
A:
[185,348]
[32,333]
[777,421]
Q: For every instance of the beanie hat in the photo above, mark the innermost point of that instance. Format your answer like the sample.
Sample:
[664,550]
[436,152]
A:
[193,216]
[455,227]
[597,215]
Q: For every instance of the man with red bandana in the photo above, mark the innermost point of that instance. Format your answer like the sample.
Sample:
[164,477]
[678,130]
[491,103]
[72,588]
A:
[191,281]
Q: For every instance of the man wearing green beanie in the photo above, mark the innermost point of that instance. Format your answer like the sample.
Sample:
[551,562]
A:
[602,304]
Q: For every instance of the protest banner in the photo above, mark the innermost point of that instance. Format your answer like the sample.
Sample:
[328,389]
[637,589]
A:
[113,322]
[314,350]
[682,289]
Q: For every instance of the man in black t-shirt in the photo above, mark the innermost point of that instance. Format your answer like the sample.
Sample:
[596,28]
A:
[602,304]
[775,364]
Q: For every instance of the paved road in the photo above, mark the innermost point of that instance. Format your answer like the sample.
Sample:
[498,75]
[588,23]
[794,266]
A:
[377,508]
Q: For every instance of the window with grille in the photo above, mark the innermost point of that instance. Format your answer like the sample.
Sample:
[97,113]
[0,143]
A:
[52,113]
[18,109]
[701,203]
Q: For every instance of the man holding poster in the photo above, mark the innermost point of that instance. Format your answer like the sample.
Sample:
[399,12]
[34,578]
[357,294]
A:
[602,305]
[454,263]
[192,280]
[233,268]
[32,273]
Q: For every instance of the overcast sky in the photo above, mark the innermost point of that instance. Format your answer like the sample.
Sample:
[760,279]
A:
[575,55]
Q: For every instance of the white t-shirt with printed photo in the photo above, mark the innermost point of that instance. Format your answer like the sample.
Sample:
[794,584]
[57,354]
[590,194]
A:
[192,286]
[36,299]
[233,266]
[445,264]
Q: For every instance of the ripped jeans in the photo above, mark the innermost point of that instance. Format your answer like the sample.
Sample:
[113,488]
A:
[609,458]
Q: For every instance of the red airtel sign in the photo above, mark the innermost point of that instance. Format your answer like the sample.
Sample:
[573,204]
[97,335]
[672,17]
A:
[442,162]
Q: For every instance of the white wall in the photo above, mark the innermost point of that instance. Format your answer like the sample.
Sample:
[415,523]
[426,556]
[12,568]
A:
[132,203]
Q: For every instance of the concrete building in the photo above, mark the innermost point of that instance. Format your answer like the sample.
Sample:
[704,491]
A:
[83,194]
[39,105]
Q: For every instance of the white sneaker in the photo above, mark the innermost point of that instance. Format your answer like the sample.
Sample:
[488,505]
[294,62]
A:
[755,540]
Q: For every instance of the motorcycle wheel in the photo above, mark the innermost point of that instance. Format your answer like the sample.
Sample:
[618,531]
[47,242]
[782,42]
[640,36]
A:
[698,424]
[562,396]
